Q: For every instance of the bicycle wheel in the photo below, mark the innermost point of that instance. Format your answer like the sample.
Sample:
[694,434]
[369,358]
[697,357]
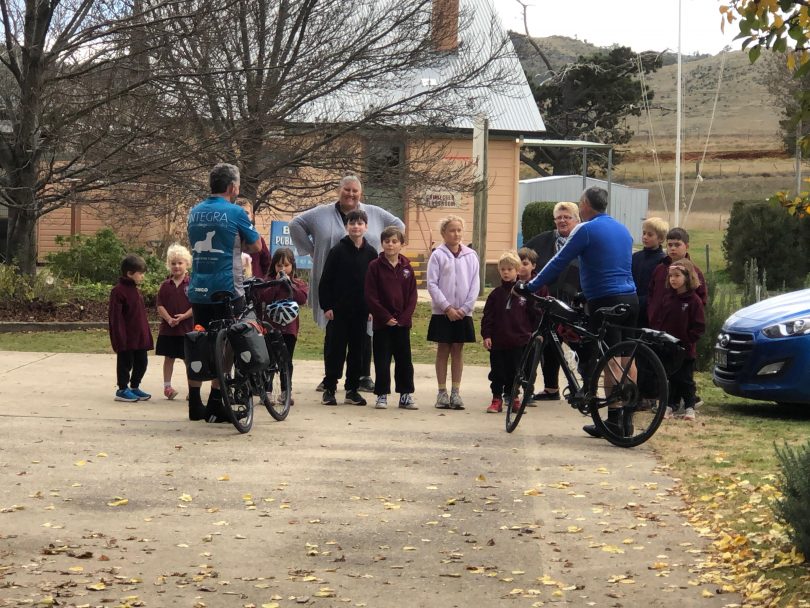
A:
[629,394]
[277,393]
[237,398]
[523,385]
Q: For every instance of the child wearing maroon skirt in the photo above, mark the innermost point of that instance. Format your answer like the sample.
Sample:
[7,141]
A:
[174,310]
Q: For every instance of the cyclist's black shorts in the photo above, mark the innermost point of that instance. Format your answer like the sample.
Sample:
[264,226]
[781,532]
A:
[614,335]
[589,353]
[203,314]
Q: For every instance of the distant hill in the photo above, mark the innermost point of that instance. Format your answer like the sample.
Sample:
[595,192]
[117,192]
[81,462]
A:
[745,113]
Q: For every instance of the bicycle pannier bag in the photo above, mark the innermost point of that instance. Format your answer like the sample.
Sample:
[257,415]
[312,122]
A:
[249,349]
[199,355]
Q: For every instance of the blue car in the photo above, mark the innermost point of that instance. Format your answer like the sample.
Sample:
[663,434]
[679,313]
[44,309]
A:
[763,351]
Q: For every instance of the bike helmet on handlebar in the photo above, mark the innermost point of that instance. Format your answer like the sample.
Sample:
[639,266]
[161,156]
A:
[282,312]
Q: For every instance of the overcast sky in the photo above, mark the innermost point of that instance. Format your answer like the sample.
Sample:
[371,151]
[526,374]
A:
[640,24]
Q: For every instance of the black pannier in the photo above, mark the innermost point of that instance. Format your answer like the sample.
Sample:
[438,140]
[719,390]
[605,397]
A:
[249,349]
[199,355]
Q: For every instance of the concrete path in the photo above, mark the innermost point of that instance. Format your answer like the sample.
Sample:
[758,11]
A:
[111,504]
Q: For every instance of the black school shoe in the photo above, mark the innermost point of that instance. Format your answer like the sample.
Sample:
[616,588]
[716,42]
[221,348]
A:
[544,396]
[613,424]
[328,397]
[354,398]
[215,412]
[366,385]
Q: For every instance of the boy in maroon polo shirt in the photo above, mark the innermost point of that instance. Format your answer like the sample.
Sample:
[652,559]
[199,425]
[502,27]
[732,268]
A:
[174,311]
[390,292]
[506,326]
[130,335]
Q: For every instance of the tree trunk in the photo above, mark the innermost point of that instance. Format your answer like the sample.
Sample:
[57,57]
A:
[21,249]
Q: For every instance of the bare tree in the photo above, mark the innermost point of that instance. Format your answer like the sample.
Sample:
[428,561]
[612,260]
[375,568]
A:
[294,91]
[75,105]
[152,92]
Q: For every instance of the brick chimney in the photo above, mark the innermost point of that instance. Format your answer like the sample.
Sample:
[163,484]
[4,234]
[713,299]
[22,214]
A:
[444,25]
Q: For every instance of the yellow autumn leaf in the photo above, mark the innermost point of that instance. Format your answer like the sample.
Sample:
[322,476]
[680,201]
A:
[706,593]
[612,549]
[97,587]
[47,601]
[574,529]
[118,501]
[101,455]
[79,463]
[325,592]
[185,497]
[532,492]
[225,477]
[76,568]
[271,605]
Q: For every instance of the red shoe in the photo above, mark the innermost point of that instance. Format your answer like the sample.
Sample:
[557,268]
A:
[496,407]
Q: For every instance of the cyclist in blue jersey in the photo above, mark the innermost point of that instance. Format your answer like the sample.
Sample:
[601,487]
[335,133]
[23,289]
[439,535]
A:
[218,231]
[604,247]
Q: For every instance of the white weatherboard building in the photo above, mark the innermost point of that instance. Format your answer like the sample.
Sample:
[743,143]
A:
[628,205]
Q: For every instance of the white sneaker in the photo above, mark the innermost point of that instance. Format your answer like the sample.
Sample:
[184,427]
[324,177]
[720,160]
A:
[382,402]
[455,401]
[688,414]
[406,402]
[443,400]
[669,414]
[698,401]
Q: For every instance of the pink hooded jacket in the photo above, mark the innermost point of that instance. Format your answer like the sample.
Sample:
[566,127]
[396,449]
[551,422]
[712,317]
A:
[452,280]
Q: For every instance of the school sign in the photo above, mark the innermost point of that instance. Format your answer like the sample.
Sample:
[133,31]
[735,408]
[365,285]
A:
[280,237]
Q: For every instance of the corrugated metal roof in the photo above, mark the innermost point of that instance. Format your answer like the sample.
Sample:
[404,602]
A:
[509,108]
[515,108]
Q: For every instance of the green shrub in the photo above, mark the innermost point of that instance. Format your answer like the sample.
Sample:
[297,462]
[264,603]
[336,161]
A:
[16,288]
[777,241]
[794,483]
[723,301]
[537,217]
[97,259]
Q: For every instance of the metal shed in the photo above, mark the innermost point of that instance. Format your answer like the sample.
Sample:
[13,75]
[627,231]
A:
[628,205]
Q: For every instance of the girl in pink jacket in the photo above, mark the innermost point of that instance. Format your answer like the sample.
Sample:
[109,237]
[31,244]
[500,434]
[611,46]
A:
[453,283]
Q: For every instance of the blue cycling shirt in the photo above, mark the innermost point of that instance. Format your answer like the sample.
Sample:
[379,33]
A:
[216,229]
[605,250]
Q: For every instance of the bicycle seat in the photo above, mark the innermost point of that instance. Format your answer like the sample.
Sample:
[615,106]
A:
[619,310]
[561,310]
[658,337]
[222,296]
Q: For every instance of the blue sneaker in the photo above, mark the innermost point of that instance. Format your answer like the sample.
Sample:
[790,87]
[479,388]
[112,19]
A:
[125,394]
[140,394]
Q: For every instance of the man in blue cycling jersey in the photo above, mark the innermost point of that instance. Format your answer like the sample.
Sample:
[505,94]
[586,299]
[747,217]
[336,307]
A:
[218,231]
[604,247]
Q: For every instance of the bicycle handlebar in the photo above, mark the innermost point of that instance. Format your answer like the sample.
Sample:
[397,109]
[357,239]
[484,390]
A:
[256,283]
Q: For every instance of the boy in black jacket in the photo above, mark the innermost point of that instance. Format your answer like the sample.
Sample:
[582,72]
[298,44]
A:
[653,235]
[341,294]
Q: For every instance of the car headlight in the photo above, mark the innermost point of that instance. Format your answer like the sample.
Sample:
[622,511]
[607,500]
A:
[794,327]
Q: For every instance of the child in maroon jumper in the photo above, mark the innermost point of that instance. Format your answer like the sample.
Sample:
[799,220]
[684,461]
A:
[174,311]
[506,327]
[390,291]
[681,314]
[283,263]
[130,335]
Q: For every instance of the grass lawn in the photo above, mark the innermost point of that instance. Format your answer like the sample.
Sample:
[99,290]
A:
[725,461]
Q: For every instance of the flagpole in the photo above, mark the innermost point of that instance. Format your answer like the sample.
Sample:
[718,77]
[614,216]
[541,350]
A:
[678,110]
